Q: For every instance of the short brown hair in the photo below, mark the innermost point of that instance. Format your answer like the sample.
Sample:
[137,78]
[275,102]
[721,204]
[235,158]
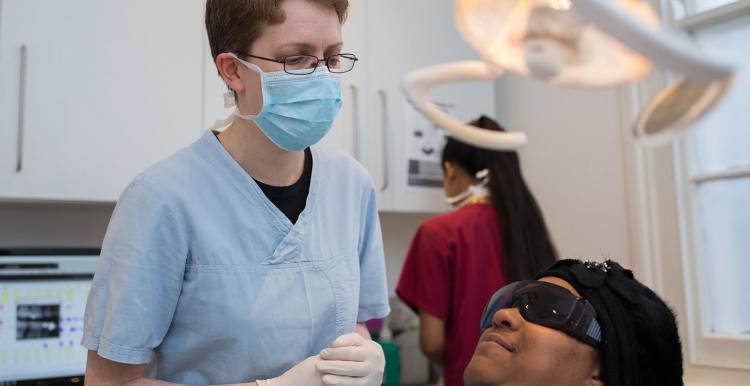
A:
[233,25]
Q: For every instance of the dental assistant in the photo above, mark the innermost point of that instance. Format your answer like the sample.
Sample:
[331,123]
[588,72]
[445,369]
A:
[241,257]
[457,260]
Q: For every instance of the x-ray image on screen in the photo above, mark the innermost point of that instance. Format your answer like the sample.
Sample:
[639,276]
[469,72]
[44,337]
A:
[37,321]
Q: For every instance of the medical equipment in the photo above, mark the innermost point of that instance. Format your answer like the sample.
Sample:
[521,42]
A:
[42,301]
[580,43]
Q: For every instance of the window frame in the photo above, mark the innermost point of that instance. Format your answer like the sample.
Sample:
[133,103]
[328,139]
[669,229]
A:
[704,347]
[663,213]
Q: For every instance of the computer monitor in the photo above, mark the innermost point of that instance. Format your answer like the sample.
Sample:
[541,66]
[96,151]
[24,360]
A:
[42,301]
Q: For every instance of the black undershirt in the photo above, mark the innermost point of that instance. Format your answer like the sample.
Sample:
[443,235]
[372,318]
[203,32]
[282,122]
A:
[291,199]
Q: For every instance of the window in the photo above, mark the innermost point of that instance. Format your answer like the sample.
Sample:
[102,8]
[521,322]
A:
[684,8]
[690,202]
[713,172]
[718,152]
[706,5]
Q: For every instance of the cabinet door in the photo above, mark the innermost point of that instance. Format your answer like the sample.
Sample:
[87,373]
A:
[354,129]
[348,131]
[403,36]
[110,88]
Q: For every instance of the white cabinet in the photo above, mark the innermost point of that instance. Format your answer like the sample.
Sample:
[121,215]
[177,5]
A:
[348,131]
[92,92]
[97,91]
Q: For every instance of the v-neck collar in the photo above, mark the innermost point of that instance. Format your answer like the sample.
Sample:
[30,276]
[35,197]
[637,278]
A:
[250,189]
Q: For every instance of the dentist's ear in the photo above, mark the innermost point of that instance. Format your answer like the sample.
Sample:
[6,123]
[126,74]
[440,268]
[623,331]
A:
[229,70]
[246,83]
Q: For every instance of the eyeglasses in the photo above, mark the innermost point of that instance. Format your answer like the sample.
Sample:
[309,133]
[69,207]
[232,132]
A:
[548,305]
[307,64]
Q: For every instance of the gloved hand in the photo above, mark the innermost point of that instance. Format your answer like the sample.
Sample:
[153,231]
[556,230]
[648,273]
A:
[303,374]
[352,361]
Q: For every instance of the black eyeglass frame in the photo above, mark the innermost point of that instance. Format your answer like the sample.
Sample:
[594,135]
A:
[283,60]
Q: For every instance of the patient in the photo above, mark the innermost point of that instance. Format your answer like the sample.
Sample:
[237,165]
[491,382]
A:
[579,324]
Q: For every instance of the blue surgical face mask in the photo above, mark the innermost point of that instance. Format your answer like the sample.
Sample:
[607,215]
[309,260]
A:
[298,110]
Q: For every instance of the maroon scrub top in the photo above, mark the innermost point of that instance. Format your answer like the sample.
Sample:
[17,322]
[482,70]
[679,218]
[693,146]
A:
[454,265]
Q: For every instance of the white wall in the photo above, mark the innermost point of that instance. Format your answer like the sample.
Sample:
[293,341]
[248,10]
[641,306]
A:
[574,163]
[398,230]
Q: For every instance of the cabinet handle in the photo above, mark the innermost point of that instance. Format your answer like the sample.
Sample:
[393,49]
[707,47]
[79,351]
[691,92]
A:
[356,122]
[384,122]
[21,111]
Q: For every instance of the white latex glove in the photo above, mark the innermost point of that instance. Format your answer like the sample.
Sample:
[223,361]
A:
[352,361]
[303,374]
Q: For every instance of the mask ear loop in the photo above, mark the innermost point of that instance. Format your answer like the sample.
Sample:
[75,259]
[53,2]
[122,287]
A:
[459,197]
[255,68]
[230,101]
[480,189]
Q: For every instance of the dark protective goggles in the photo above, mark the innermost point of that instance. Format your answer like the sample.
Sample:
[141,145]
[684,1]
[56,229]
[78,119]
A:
[548,305]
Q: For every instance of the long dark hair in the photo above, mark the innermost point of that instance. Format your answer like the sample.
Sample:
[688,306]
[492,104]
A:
[527,246]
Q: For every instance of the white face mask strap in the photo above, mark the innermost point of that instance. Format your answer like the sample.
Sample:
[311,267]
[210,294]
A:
[250,66]
[480,189]
[223,123]
[230,101]
[247,117]
[229,96]
[459,197]
[483,175]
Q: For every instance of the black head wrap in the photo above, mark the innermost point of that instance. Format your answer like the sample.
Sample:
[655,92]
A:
[640,343]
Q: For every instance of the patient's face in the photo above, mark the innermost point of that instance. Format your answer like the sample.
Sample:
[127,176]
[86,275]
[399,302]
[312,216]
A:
[516,352]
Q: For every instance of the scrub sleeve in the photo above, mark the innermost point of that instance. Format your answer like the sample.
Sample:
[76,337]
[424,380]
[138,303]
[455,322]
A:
[139,281]
[373,295]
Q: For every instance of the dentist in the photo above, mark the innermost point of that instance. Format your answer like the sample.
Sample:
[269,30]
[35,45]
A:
[251,256]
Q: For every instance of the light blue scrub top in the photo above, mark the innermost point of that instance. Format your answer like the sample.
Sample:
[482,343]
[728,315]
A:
[204,279]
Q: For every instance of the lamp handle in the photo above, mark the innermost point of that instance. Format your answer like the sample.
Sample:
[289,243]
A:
[417,84]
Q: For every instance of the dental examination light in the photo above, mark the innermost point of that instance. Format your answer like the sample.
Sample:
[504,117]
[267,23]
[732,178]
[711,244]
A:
[578,43]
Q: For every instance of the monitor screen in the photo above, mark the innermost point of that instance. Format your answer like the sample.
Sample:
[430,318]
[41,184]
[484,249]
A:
[42,304]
